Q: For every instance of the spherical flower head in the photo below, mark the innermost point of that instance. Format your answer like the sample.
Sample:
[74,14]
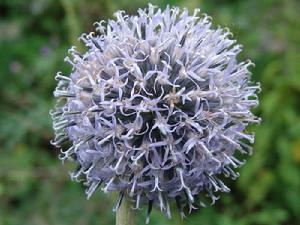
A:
[156,108]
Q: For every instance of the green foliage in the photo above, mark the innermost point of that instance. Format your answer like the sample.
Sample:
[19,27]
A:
[35,187]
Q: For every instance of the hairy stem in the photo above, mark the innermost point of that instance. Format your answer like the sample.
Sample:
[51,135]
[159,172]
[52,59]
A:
[125,214]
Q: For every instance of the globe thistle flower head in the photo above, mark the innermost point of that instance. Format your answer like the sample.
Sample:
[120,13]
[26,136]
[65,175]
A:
[156,108]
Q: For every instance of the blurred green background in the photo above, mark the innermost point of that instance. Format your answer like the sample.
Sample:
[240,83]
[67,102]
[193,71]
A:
[35,188]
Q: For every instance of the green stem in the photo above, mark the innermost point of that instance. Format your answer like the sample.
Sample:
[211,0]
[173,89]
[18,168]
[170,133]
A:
[125,214]
[72,21]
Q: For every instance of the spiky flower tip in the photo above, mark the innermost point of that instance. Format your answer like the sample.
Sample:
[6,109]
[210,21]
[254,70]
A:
[156,108]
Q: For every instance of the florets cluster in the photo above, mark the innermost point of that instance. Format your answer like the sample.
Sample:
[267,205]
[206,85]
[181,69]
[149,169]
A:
[155,108]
